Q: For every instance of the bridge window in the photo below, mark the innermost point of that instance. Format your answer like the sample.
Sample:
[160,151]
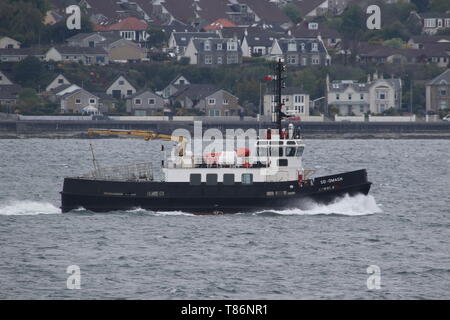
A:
[211,179]
[247,178]
[290,151]
[277,152]
[262,152]
[195,179]
[228,179]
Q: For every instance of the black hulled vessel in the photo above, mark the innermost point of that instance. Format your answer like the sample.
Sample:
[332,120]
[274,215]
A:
[227,182]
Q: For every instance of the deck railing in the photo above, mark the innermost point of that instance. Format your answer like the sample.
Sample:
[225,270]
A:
[133,172]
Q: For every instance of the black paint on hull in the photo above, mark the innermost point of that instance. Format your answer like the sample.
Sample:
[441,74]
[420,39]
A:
[105,196]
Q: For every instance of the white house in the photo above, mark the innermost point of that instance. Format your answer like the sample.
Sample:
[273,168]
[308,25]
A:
[4,80]
[121,88]
[9,43]
[295,102]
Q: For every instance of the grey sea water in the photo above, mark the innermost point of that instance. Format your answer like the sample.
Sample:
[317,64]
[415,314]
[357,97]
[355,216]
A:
[322,252]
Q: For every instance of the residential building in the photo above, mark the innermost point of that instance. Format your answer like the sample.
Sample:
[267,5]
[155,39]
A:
[438,93]
[313,30]
[219,103]
[84,55]
[9,91]
[295,102]
[145,103]
[17,55]
[106,103]
[189,95]
[213,52]
[121,88]
[179,41]
[420,42]
[375,96]
[300,52]
[174,86]
[59,81]
[256,44]
[432,22]
[129,28]
[76,101]
[9,43]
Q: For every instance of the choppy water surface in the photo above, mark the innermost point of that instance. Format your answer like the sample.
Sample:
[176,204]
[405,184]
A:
[321,252]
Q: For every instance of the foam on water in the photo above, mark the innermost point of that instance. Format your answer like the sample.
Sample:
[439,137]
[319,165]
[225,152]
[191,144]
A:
[358,205]
[27,208]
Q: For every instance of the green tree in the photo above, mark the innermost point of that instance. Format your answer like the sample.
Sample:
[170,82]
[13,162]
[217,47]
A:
[421,5]
[396,43]
[293,12]
[29,72]
[353,23]
[157,38]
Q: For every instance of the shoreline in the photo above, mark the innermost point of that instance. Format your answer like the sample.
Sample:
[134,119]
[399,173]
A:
[308,136]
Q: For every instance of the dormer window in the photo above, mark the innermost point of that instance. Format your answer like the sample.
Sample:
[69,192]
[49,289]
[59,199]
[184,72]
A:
[315,46]
[335,86]
[313,26]
[257,38]
[231,45]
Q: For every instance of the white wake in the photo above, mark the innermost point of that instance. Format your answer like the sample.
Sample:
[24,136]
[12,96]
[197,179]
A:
[27,208]
[358,205]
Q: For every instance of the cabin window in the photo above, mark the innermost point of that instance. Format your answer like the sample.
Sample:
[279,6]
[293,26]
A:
[262,152]
[276,152]
[247,178]
[155,194]
[211,179]
[300,151]
[195,179]
[228,179]
[282,162]
[290,151]
[270,193]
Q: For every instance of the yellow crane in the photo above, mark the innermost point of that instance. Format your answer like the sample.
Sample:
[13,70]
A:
[146,134]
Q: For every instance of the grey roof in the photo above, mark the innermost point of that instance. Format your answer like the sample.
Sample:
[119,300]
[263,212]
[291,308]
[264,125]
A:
[299,41]
[23,51]
[194,91]
[142,91]
[429,39]
[80,50]
[68,94]
[345,84]
[443,78]
[80,36]
[183,38]
[60,88]
[104,96]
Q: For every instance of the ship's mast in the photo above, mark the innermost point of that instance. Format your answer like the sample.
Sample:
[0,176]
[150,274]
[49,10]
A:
[279,85]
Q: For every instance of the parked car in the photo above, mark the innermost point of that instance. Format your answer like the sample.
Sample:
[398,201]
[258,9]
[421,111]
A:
[446,118]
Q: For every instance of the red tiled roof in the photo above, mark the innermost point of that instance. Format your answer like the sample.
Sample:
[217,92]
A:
[127,24]
[219,24]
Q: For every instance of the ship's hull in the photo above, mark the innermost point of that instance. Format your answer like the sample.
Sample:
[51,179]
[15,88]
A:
[106,196]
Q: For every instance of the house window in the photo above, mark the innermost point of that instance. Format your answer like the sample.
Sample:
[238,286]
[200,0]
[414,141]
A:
[214,113]
[207,46]
[304,61]
[211,179]
[219,60]
[195,179]
[315,46]
[151,101]
[447,23]
[228,179]
[208,59]
[232,59]
[225,101]
[303,46]
[247,178]
[361,109]
[291,59]
[129,92]
[361,96]
[381,95]
[138,101]
[439,23]
[92,101]
[231,46]
[338,96]
[443,91]
[313,26]
[349,96]
[78,101]
[59,80]
[211,102]
[292,46]
[315,60]
[430,23]
[121,82]
[219,46]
